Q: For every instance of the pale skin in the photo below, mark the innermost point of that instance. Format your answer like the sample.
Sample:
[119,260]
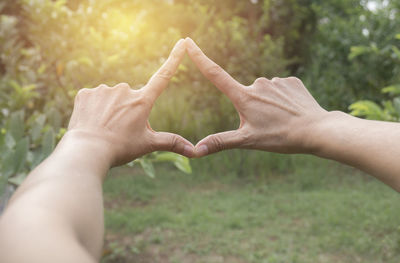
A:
[56,215]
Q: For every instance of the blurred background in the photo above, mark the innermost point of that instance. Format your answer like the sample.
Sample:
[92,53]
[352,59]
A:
[235,206]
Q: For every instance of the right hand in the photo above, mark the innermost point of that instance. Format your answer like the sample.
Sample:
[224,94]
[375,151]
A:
[116,118]
[276,115]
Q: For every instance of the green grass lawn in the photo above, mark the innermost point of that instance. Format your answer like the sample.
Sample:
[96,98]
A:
[317,212]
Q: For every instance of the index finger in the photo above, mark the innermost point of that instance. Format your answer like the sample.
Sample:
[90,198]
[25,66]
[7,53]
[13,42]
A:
[159,81]
[212,71]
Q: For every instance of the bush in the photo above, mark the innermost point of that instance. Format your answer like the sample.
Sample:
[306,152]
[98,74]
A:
[389,110]
[333,76]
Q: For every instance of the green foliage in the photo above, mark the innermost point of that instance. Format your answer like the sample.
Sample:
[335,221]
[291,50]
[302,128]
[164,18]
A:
[180,162]
[350,53]
[389,110]
[25,142]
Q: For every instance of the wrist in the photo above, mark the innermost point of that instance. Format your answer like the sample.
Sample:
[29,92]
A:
[325,131]
[87,148]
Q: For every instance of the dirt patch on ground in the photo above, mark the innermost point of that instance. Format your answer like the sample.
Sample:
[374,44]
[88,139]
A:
[145,248]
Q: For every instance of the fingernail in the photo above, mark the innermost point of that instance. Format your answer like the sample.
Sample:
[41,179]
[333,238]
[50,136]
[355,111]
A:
[202,150]
[179,42]
[189,42]
[188,151]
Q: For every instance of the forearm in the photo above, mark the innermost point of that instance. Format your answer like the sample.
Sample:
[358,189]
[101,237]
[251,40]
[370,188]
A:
[59,207]
[371,146]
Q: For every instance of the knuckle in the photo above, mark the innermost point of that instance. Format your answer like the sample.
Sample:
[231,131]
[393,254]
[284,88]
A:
[165,73]
[143,99]
[217,142]
[276,79]
[245,137]
[102,86]
[82,92]
[123,85]
[242,97]
[197,53]
[213,71]
[293,79]
[152,139]
[174,143]
[262,81]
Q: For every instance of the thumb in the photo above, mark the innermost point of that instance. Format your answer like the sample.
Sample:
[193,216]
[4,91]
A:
[219,142]
[165,141]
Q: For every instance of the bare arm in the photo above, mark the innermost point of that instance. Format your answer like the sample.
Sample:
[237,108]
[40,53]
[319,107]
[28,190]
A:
[56,215]
[371,146]
[280,115]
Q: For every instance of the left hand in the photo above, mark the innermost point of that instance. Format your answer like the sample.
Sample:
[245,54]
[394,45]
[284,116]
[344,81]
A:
[277,115]
[117,117]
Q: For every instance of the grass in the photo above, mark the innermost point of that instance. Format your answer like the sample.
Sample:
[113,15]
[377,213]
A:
[301,210]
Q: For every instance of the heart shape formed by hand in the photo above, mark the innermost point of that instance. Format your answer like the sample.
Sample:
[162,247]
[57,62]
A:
[272,112]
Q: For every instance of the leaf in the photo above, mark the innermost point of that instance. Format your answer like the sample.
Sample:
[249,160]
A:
[16,125]
[7,165]
[397,36]
[14,161]
[3,185]
[131,164]
[61,133]
[392,90]
[37,127]
[148,167]
[356,51]
[18,179]
[54,118]
[396,51]
[369,109]
[10,141]
[165,157]
[396,105]
[48,143]
[36,158]
[20,155]
[181,162]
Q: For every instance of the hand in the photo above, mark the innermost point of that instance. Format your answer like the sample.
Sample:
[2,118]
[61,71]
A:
[117,117]
[275,115]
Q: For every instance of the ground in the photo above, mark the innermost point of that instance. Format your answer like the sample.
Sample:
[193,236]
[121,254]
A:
[329,214]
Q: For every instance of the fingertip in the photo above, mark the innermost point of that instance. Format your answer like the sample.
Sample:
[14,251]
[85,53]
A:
[165,141]
[188,40]
[190,44]
[188,151]
[180,41]
[187,44]
[178,47]
[201,150]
